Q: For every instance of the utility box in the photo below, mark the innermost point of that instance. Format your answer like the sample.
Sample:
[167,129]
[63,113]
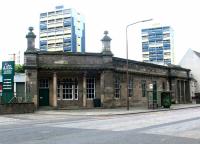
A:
[97,102]
[197,98]
[166,99]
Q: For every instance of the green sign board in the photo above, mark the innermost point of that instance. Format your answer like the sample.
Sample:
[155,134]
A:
[8,72]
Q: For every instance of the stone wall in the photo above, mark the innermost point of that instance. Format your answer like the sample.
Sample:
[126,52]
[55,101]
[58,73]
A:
[69,59]
[137,99]
[17,108]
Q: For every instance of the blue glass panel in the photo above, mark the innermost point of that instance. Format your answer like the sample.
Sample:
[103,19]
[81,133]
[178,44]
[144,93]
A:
[160,59]
[166,28]
[145,50]
[43,15]
[145,46]
[66,23]
[166,41]
[43,22]
[166,45]
[144,30]
[152,59]
[67,48]
[43,27]
[43,43]
[166,48]
[159,52]
[67,40]
[151,41]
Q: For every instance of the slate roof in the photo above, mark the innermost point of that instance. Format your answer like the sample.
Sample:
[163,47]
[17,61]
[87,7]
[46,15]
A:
[197,53]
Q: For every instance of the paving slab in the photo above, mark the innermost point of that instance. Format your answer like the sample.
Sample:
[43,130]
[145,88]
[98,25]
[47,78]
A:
[116,111]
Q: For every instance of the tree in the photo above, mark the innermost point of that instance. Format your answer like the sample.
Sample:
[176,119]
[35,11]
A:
[19,68]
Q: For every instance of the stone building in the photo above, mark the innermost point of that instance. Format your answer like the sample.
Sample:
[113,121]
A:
[191,61]
[74,80]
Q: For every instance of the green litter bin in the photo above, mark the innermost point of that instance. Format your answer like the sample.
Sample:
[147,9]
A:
[166,99]
[97,102]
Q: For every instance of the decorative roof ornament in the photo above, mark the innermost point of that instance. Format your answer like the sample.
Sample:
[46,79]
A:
[30,34]
[106,44]
[31,40]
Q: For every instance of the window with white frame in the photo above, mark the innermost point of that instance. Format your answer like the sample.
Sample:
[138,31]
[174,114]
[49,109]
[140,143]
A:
[117,88]
[130,87]
[44,83]
[90,88]
[67,89]
[70,89]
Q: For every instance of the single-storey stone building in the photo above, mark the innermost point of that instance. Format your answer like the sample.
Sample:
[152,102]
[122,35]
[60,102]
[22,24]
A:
[74,80]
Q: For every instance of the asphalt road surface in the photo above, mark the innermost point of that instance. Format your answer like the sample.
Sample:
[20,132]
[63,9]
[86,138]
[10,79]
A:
[166,127]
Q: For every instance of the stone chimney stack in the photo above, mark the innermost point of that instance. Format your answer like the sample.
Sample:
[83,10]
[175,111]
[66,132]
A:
[31,40]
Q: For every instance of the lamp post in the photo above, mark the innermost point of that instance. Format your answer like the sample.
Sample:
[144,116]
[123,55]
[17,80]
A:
[127,79]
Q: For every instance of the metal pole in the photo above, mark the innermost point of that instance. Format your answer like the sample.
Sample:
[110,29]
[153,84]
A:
[127,75]
[127,67]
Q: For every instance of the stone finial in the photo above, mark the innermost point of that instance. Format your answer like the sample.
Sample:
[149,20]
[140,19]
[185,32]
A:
[106,37]
[106,32]
[30,29]
[31,40]
[106,43]
[30,33]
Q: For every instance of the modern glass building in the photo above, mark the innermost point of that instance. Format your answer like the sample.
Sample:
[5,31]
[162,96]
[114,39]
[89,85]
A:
[157,45]
[62,30]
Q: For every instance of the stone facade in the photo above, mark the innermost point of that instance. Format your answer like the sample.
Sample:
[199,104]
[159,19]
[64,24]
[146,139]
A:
[105,70]
[74,80]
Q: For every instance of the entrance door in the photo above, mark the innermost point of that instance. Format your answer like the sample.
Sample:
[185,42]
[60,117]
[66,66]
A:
[154,91]
[155,94]
[44,92]
[43,97]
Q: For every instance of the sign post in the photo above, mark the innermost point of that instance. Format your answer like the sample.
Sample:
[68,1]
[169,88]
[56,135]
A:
[8,72]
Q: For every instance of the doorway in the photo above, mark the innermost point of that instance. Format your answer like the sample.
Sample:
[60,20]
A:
[44,92]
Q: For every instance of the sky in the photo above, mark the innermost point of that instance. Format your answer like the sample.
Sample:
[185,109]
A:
[100,15]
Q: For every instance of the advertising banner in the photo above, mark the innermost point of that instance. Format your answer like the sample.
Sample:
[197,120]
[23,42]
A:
[8,72]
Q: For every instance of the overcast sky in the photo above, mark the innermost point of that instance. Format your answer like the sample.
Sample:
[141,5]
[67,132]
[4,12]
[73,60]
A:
[112,15]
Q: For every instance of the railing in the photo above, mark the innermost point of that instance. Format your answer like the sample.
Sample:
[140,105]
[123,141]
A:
[17,99]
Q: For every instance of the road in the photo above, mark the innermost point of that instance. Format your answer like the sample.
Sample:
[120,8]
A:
[166,127]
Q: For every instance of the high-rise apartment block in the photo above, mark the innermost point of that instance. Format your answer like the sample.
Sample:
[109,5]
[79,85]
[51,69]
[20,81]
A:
[62,30]
[157,45]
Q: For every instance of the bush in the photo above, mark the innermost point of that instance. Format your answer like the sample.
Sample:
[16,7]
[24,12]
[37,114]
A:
[19,68]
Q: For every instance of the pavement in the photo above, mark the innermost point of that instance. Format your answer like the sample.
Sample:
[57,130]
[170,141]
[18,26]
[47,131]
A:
[115,111]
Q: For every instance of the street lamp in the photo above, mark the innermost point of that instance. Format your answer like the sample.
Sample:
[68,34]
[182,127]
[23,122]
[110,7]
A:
[127,79]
